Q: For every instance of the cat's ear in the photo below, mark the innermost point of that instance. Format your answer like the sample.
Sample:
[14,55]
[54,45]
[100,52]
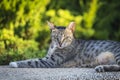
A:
[71,26]
[51,25]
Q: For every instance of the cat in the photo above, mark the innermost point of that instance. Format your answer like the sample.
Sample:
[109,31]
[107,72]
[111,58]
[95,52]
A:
[65,51]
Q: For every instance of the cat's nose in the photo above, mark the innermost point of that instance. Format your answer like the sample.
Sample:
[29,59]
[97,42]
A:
[60,44]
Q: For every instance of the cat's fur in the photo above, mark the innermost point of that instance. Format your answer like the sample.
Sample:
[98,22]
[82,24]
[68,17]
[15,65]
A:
[66,51]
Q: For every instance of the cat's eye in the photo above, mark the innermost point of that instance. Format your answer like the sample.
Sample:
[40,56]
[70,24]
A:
[53,30]
[68,37]
[55,37]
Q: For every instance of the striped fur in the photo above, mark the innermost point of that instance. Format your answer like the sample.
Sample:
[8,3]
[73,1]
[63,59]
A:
[66,51]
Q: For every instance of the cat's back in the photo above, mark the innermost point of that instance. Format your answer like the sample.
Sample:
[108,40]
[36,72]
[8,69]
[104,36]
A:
[98,45]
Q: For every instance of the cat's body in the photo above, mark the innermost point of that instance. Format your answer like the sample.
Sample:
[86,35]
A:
[66,51]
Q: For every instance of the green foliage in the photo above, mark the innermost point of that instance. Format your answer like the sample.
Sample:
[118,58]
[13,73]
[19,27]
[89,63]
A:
[107,24]
[20,28]
[24,32]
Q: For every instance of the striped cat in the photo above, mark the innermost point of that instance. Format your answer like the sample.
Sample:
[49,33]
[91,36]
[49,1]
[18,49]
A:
[65,51]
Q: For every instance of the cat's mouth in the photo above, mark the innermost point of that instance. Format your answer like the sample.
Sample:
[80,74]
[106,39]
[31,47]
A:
[60,46]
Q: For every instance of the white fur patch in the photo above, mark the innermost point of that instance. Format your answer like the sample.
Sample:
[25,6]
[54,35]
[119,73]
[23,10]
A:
[13,64]
[105,57]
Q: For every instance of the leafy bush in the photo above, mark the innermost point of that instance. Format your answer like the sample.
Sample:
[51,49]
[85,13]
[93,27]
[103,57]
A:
[107,24]
[20,26]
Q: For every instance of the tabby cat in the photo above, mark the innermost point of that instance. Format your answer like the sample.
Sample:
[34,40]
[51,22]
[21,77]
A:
[65,51]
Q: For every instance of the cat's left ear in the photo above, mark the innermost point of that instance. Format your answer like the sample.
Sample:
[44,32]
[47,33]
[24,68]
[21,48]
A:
[51,25]
[71,26]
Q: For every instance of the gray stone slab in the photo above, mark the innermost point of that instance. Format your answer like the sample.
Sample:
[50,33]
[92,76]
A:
[7,73]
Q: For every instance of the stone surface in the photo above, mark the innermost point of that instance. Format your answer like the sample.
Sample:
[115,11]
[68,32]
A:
[7,73]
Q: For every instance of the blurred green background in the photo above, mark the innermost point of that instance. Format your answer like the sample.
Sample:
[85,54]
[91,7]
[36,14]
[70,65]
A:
[24,32]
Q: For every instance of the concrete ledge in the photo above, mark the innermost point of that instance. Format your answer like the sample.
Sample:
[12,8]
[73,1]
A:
[7,73]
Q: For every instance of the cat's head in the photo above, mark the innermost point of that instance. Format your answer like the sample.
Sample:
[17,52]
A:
[62,36]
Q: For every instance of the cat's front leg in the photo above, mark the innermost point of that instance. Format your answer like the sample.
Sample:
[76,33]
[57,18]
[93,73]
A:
[24,63]
[32,63]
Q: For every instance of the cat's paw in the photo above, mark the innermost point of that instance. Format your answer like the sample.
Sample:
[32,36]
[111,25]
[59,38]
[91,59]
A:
[100,68]
[13,65]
